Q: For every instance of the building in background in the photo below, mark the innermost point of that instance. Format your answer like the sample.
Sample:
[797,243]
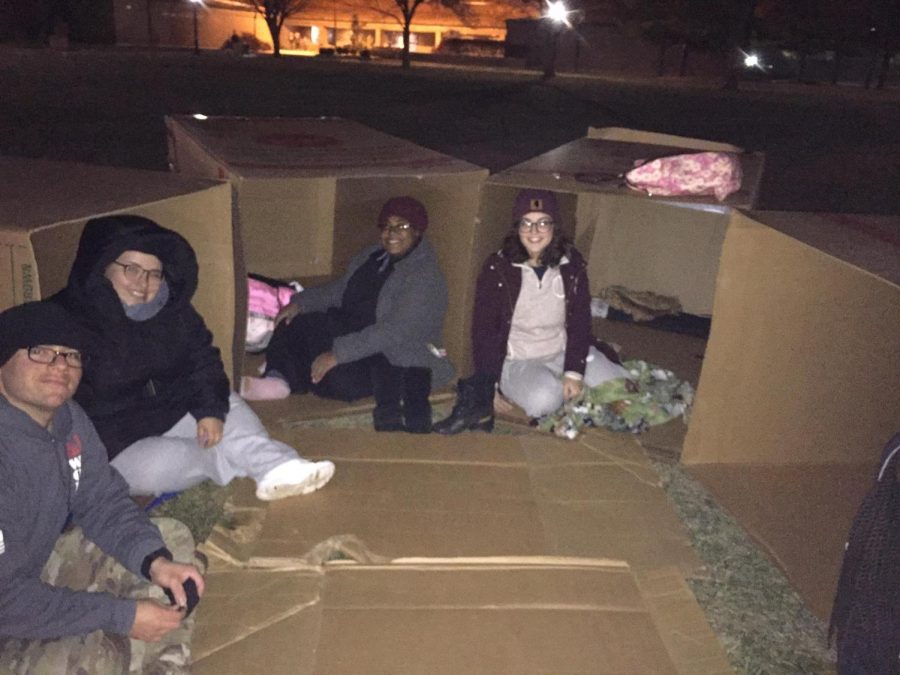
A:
[350,24]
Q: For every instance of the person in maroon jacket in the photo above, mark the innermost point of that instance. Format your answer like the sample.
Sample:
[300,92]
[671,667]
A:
[531,330]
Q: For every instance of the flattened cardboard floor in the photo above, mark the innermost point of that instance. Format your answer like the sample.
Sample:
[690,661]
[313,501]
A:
[461,616]
[537,554]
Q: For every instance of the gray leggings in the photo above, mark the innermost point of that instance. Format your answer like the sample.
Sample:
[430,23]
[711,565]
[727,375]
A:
[175,461]
[535,385]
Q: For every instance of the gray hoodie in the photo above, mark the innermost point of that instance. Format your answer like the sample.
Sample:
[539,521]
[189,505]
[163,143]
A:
[408,316]
[45,476]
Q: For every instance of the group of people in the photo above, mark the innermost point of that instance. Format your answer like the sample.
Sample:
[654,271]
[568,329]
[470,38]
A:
[376,329]
[113,388]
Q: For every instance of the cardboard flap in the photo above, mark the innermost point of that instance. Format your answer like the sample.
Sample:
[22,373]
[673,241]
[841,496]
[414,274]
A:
[307,146]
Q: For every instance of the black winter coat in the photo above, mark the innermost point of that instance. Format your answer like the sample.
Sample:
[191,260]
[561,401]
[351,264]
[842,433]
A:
[143,376]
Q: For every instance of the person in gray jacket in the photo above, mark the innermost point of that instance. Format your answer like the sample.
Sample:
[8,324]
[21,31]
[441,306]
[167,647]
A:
[54,471]
[375,330]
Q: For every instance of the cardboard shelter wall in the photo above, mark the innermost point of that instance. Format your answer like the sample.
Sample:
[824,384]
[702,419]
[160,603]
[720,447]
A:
[802,362]
[38,240]
[304,215]
[799,389]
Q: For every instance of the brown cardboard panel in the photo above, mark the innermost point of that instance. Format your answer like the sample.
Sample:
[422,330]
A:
[645,533]
[656,138]
[654,246]
[365,446]
[252,621]
[479,495]
[796,368]
[800,514]
[80,191]
[486,621]
[39,236]
[491,615]
[287,226]
[310,146]
[871,243]
[605,499]
[404,509]
[682,625]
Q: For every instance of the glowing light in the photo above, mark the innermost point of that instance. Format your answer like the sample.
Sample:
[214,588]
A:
[752,61]
[314,35]
[197,2]
[556,11]
[200,116]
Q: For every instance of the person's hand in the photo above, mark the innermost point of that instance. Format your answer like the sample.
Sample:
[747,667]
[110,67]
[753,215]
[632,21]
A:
[571,388]
[501,405]
[209,431]
[321,366]
[287,313]
[153,621]
[172,575]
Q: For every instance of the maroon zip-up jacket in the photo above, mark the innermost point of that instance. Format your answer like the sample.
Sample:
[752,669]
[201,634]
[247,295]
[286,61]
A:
[496,292]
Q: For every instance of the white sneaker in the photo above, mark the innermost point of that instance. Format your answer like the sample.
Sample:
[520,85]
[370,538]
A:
[294,477]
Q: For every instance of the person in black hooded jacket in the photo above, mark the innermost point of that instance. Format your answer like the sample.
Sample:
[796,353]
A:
[156,388]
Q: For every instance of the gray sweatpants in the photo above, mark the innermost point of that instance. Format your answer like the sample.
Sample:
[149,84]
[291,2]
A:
[175,461]
[535,385]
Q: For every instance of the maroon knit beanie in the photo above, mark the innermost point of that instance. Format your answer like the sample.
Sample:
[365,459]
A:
[405,207]
[535,200]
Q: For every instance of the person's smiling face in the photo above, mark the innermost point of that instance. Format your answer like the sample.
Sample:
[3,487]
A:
[535,233]
[135,276]
[38,389]
[398,236]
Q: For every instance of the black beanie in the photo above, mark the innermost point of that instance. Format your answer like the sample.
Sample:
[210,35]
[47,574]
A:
[40,323]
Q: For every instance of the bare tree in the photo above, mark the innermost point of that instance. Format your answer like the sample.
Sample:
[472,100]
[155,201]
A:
[275,13]
[401,11]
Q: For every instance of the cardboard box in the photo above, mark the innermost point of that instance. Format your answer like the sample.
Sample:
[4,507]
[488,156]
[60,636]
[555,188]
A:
[44,206]
[668,245]
[800,387]
[514,554]
[308,192]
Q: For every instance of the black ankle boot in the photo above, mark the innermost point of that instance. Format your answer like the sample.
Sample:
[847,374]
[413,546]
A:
[416,406]
[474,407]
[387,385]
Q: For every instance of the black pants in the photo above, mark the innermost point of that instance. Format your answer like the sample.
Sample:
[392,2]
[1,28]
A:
[296,345]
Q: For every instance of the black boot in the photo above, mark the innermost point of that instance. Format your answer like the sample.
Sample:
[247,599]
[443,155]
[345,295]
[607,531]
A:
[416,406]
[387,385]
[474,407]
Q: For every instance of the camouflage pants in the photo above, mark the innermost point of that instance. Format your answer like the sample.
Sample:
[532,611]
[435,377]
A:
[78,564]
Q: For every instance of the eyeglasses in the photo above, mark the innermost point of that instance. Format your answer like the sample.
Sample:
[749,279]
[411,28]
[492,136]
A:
[396,227]
[134,272]
[48,356]
[542,225]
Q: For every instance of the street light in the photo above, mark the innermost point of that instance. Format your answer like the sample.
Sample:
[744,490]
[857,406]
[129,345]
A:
[195,4]
[558,16]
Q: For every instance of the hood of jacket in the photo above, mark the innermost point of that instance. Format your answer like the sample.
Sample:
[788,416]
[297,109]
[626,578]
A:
[105,239]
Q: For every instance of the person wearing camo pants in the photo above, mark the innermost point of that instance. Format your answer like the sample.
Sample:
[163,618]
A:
[87,600]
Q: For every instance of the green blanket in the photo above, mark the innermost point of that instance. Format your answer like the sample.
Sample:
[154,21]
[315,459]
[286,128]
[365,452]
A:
[651,396]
